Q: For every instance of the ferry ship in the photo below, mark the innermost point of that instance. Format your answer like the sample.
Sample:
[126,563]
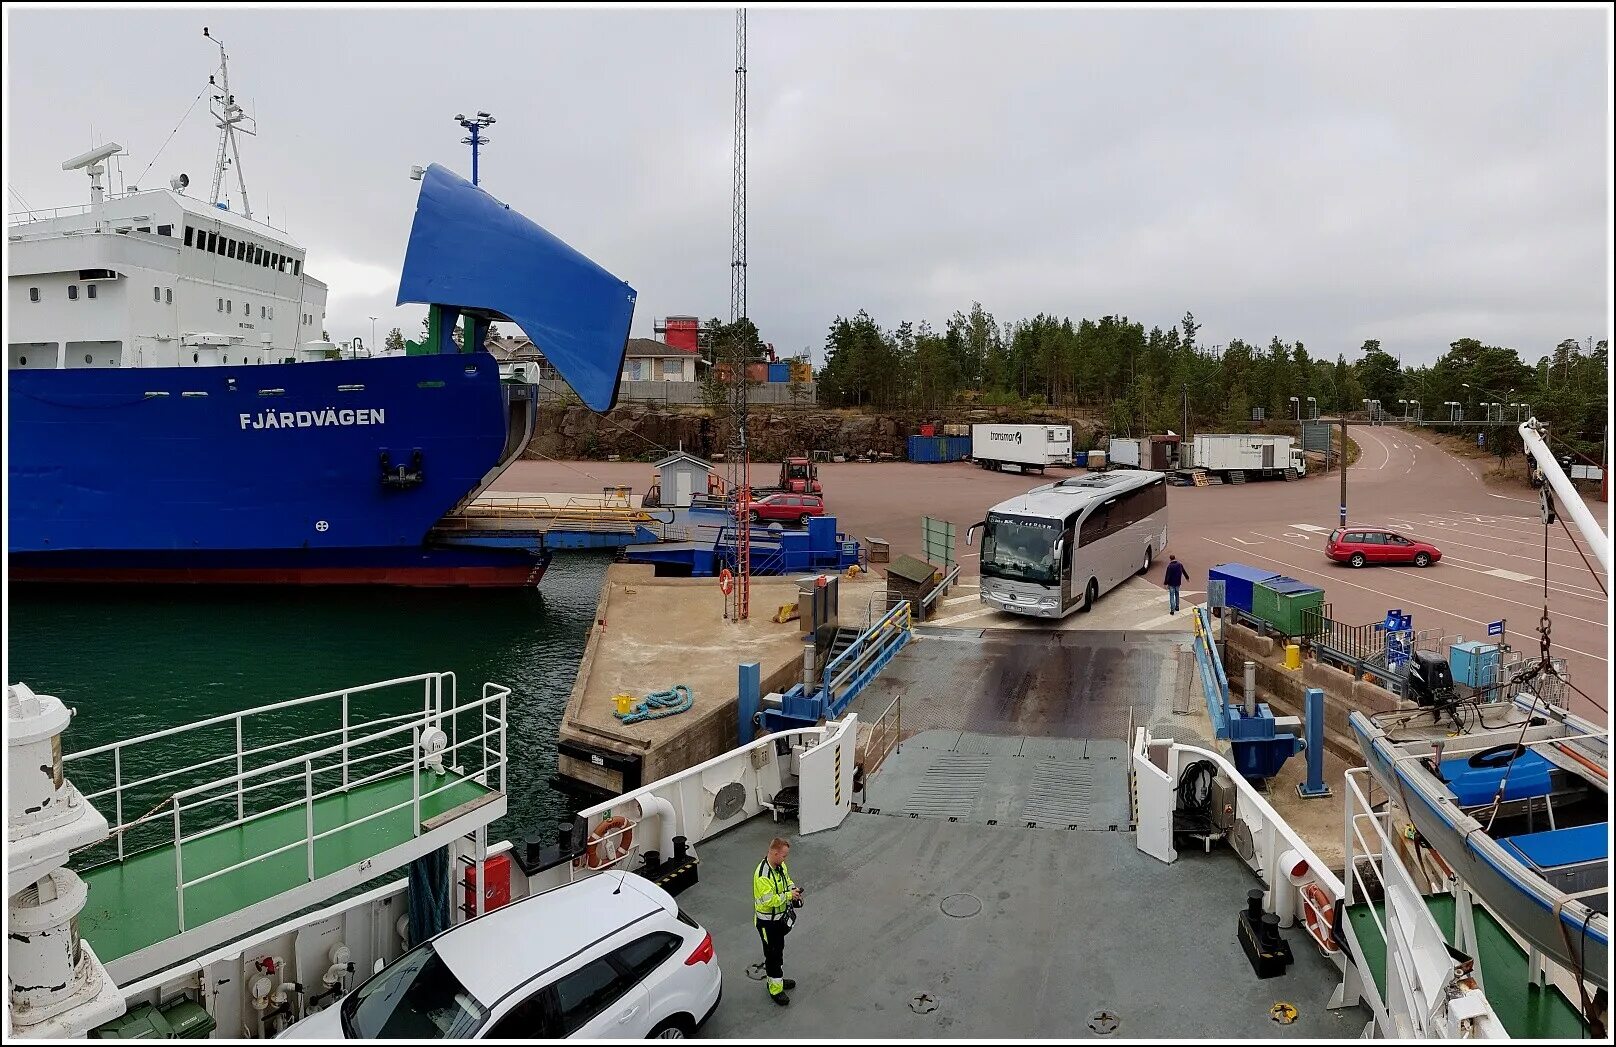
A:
[176,414]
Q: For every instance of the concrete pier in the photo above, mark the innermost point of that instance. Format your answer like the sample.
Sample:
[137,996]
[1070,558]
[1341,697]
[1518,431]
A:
[651,633]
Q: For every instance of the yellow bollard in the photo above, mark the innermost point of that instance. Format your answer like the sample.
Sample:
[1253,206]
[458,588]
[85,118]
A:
[625,703]
[1293,656]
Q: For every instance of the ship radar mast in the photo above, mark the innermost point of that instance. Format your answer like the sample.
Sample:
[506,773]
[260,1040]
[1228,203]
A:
[229,116]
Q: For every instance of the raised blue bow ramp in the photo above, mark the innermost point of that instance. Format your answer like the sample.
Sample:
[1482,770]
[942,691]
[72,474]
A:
[470,251]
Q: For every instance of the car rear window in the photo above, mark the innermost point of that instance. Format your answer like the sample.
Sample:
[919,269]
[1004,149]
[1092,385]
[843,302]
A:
[1335,536]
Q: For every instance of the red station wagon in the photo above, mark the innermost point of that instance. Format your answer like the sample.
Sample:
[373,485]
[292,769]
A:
[792,508]
[1359,546]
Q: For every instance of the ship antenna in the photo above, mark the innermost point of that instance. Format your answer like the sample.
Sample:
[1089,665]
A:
[230,116]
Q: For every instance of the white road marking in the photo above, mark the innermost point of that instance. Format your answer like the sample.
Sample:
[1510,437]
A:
[1498,572]
[979,612]
[1315,528]
[1564,588]
[1242,541]
[1395,600]
[959,599]
[1466,589]
[1566,544]
[1417,530]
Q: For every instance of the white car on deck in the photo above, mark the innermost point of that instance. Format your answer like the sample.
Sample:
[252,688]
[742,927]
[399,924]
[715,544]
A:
[611,956]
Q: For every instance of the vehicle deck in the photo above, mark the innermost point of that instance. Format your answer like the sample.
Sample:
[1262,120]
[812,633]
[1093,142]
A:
[134,903]
[1527,1012]
[999,893]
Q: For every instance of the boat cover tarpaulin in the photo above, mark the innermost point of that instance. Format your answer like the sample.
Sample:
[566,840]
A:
[469,250]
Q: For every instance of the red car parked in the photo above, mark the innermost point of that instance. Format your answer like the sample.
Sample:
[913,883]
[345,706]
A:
[1359,546]
[792,508]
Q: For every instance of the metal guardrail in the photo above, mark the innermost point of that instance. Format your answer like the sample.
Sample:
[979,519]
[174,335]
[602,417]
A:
[876,739]
[848,672]
[1214,682]
[257,792]
[940,591]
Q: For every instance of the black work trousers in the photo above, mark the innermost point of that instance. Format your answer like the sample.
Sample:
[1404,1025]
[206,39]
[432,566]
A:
[773,933]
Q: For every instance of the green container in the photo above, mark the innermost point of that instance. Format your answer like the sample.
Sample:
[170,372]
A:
[181,1020]
[1281,602]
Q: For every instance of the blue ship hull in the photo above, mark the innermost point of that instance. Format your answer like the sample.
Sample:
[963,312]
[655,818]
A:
[328,472]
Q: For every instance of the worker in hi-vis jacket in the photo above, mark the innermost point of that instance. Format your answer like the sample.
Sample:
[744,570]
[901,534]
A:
[774,899]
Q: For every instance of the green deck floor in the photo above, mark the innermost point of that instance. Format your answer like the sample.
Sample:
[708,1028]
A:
[1527,1013]
[132,903]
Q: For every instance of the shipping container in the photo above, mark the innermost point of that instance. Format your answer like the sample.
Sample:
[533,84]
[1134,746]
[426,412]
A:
[780,373]
[1238,581]
[1282,603]
[995,446]
[932,449]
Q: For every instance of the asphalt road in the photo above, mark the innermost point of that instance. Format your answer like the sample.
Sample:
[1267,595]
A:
[1492,542]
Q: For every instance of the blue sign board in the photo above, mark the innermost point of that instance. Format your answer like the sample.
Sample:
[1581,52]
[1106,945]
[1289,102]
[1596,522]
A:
[1495,628]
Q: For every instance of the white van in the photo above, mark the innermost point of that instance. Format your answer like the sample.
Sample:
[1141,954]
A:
[607,957]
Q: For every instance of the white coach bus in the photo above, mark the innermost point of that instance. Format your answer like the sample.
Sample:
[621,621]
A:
[1061,546]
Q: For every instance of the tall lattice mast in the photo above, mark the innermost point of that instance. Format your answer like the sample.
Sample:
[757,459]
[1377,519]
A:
[739,351]
[230,116]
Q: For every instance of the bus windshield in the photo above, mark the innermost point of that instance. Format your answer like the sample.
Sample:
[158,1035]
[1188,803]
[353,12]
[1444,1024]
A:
[1020,549]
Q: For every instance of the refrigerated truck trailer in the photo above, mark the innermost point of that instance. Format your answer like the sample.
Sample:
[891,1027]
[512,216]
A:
[994,446]
[1251,455]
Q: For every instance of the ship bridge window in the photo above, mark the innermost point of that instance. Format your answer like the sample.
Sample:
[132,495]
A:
[297,267]
[213,243]
[221,305]
[143,229]
[165,230]
[72,292]
[230,248]
[157,294]
[33,294]
[190,234]
[90,290]
[228,304]
[168,295]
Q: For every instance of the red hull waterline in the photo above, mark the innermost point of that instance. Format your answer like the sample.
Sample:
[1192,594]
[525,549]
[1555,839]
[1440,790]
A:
[522,576]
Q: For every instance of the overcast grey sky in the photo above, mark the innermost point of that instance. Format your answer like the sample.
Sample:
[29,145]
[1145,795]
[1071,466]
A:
[1328,176]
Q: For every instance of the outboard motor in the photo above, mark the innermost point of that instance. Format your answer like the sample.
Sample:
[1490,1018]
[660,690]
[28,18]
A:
[1430,680]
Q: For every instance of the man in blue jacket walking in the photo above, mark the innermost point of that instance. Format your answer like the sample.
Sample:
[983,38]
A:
[1174,579]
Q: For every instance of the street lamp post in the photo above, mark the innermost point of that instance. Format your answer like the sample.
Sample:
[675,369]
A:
[1315,408]
[1297,401]
[1419,412]
[373,334]
[1405,408]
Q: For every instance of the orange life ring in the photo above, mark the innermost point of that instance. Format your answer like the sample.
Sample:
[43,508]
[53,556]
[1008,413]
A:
[1318,910]
[726,582]
[606,845]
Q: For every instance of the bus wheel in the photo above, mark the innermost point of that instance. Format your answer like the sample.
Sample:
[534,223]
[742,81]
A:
[1145,567]
[1090,594]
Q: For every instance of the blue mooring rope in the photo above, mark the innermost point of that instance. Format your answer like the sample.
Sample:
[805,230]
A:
[658,704]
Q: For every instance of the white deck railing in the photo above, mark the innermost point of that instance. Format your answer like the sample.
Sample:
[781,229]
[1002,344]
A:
[356,752]
[1419,991]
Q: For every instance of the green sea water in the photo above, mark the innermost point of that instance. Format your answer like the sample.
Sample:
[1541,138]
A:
[132,661]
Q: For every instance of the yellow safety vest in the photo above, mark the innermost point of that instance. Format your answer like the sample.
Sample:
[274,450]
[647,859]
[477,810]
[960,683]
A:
[771,891]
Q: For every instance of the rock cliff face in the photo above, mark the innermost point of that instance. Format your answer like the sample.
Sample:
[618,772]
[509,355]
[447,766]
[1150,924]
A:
[639,431]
